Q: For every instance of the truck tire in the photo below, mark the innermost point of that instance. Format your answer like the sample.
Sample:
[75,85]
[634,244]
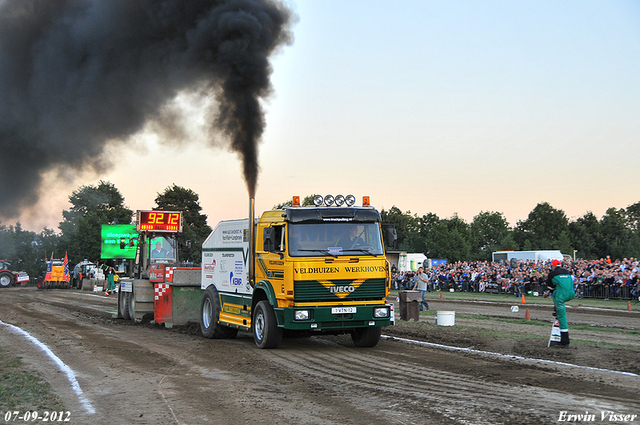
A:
[123,302]
[266,332]
[6,279]
[210,314]
[141,300]
[366,337]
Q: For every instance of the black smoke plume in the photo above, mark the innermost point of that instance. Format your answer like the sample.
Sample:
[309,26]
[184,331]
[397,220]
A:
[77,75]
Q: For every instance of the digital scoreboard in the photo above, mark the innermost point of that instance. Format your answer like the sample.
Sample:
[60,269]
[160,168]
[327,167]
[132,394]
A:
[159,221]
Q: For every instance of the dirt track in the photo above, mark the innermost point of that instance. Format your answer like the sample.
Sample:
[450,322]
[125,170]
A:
[145,374]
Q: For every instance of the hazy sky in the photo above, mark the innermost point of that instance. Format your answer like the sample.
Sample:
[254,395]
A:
[432,106]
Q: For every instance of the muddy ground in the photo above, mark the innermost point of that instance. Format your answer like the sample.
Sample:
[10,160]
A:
[502,373]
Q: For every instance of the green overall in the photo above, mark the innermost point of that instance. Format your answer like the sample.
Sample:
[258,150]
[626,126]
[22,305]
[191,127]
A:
[562,293]
[111,282]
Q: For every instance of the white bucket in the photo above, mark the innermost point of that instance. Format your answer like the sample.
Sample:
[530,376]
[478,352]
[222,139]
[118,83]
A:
[446,318]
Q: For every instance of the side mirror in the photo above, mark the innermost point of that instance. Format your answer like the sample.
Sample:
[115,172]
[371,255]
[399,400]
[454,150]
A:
[392,237]
[268,239]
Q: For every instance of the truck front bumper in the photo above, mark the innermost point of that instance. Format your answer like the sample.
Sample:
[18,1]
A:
[334,318]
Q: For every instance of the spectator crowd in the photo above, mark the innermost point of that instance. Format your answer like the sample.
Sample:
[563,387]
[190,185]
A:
[604,278]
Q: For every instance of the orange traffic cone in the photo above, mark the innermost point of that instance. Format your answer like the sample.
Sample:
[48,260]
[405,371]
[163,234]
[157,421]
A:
[629,306]
[527,317]
[522,300]
[441,297]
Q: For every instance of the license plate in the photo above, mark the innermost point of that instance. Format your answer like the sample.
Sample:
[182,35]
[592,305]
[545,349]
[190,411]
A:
[343,310]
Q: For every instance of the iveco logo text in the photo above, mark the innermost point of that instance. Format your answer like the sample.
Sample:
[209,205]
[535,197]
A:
[342,289]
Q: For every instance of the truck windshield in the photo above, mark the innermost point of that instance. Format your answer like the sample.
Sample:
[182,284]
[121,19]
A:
[335,239]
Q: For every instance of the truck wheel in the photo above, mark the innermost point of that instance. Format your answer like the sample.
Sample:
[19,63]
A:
[210,314]
[366,337]
[266,332]
[123,301]
[6,279]
[131,303]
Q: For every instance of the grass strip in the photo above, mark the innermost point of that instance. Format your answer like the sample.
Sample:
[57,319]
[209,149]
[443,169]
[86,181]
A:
[536,323]
[24,390]
[613,304]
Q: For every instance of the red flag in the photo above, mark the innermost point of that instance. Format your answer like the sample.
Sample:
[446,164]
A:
[66,268]
[49,276]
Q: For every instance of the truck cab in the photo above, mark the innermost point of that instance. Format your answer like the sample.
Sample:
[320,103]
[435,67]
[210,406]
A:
[317,269]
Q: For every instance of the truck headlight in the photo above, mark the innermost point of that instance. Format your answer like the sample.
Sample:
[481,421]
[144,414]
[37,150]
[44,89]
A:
[380,312]
[301,315]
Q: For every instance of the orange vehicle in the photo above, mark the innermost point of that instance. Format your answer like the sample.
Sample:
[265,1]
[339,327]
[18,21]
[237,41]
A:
[57,276]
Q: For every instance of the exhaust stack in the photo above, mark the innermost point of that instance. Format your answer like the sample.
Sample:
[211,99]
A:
[252,241]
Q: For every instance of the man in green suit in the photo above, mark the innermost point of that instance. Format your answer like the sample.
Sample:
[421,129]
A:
[560,284]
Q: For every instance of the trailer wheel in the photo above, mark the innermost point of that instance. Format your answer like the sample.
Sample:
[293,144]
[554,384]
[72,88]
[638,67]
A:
[266,332]
[6,279]
[123,301]
[131,302]
[366,337]
[210,314]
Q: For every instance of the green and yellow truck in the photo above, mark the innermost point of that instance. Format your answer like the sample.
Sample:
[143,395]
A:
[298,270]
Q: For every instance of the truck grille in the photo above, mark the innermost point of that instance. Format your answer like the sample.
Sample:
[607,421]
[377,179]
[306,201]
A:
[317,291]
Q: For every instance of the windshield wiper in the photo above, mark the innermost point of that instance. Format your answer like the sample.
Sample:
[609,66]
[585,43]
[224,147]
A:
[324,251]
[365,251]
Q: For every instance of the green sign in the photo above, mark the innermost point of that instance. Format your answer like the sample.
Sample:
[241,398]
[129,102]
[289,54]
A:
[119,241]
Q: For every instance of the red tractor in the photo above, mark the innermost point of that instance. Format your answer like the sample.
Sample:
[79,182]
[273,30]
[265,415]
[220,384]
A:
[9,278]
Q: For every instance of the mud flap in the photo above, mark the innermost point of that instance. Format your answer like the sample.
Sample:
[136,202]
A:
[554,339]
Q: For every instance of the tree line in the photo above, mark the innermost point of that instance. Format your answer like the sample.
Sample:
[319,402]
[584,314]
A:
[616,234]
[79,233]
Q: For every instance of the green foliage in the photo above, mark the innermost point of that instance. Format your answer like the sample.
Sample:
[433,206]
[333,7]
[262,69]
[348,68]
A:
[406,227]
[616,234]
[543,227]
[91,207]
[26,250]
[195,228]
[584,234]
[633,217]
[488,233]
